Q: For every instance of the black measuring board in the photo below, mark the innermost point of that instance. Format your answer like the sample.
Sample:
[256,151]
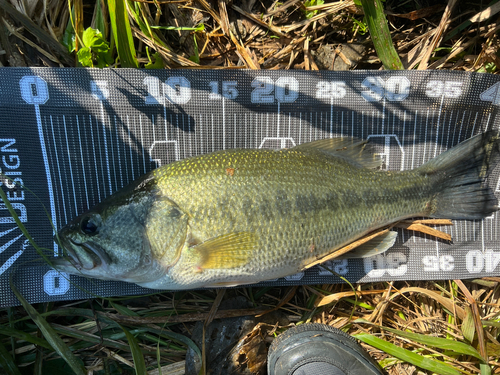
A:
[74,136]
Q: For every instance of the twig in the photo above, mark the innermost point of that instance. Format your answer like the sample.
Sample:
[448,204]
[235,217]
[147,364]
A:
[37,31]
[183,318]
[29,42]
[250,16]
[477,318]
[443,25]
[335,8]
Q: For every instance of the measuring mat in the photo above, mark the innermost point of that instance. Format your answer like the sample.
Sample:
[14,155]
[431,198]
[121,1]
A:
[75,136]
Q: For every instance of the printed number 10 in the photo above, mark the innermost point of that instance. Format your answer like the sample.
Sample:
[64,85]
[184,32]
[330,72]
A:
[176,90]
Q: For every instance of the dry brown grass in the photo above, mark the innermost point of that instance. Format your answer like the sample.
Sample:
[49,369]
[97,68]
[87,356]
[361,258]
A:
[456,35]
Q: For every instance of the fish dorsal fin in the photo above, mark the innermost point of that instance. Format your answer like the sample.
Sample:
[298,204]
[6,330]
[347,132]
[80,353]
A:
[375,246]
[352,149]
[227,251]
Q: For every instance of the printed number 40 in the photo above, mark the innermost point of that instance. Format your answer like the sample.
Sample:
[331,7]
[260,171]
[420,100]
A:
[491,94]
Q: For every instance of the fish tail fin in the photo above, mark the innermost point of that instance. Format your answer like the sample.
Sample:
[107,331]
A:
[460,178]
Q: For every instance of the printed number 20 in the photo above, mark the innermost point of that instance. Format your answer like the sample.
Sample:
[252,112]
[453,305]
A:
[286,90]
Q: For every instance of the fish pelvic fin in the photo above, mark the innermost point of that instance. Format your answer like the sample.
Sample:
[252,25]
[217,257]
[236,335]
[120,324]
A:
[459,177]
[227,251]
[354,150]
[375,246]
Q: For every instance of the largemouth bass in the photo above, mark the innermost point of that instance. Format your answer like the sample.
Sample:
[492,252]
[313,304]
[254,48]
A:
[243,216]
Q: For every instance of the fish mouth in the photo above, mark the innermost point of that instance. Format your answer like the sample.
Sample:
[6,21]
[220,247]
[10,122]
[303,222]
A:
[81,255]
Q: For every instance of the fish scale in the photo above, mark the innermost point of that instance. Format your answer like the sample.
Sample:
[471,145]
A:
[329,209]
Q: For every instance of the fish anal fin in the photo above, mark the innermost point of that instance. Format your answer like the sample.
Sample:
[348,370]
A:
[375,246]
[227,251]
[352,149]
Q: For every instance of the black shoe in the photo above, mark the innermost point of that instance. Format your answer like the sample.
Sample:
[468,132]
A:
[318,349]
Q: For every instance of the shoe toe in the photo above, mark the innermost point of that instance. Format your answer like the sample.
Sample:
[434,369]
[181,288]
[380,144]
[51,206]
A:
[320,350]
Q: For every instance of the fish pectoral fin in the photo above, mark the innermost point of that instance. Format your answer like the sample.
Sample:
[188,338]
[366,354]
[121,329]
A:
[375,246]
[351,149]
[227,251]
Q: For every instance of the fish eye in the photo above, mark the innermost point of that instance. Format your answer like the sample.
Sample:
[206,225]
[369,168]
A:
[88,225]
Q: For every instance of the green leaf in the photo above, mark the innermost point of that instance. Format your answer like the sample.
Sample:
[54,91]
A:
[88,35]
[468,327]
[139,364]
[485,369]
[196,57]
[85,57]
[379,31]
[157,64]
[104,60]
[309,3]
[122,33]
[50,334]
[408,356]
[7,362]
[94,40]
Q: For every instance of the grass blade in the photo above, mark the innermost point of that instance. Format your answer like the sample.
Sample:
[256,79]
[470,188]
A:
[139,364]
[21,226]
[7,362]
[178,338]
[408,356]
[379,31]
[435,342]
[99,21]
[50,334]
[7,331]
[122,33]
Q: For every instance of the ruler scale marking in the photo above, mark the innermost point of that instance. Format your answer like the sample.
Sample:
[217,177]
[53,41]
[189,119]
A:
[445,120]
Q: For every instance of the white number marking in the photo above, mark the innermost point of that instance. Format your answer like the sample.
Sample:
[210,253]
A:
[433,263]
[34,90]
[395,89]
[55,283]
[491,94]
[477,261]
[329,90]
[338,266]
[229,90]
[177,90]
[448,89]
[286,90]
[153,88]
[394,263]
[99,89]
